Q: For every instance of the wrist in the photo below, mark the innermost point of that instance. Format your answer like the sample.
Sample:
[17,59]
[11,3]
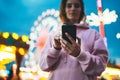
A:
[57,48]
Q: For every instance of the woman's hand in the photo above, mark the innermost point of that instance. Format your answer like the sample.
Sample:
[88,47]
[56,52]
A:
[73,49]
[57,44]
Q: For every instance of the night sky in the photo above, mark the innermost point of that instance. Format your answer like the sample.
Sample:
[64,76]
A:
[19,15]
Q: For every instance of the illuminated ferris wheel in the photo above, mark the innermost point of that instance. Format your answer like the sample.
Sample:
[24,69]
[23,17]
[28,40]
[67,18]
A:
[46,22]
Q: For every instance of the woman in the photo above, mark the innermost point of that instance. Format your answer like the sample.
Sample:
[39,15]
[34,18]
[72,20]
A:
[84,59]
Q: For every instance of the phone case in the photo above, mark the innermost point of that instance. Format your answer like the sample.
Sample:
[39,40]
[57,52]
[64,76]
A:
[70,29]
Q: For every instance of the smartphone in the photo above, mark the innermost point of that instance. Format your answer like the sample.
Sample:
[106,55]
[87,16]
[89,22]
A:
[70,29]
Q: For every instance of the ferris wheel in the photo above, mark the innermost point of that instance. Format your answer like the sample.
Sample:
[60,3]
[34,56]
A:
[48,21]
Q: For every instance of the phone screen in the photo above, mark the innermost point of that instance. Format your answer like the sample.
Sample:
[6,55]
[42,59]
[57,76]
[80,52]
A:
[70,29]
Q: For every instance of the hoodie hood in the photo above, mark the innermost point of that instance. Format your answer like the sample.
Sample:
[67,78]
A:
[83,25]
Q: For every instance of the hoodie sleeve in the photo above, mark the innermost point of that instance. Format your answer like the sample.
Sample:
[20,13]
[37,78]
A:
[49,56]
[94,63]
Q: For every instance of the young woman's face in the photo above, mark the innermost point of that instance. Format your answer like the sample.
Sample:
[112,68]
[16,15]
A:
[72,10]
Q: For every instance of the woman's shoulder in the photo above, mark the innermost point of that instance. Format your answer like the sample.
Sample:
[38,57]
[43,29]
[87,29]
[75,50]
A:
[93,30]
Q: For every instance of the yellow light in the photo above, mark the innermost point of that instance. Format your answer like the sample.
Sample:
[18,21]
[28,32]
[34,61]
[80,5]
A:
[2,47]
[21,51]
[6,61]
[15,36]
[110,72]
[43,78]
[10,49]
[5,35]
[24,38]
[6,57]
[13,49]
[3,67]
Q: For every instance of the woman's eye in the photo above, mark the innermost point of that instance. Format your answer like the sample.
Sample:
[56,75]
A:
[69,5]
[76,5]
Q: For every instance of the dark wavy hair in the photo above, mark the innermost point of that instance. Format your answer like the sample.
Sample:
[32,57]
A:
[63,16]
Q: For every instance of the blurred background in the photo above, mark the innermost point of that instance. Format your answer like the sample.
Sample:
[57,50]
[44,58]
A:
[25,25]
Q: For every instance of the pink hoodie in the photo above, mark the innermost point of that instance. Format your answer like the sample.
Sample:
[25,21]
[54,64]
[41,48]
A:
[90,63]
